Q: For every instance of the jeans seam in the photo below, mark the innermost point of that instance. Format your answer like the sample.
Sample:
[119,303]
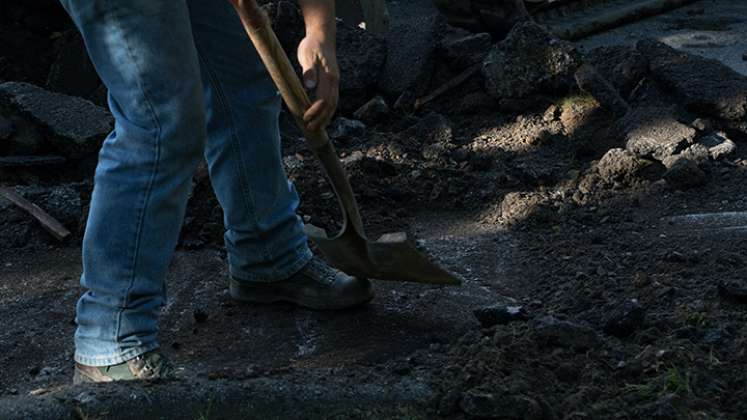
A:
[249,202]
[151,181]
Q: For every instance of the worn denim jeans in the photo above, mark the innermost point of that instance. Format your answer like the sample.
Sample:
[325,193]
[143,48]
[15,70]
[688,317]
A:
[184,83]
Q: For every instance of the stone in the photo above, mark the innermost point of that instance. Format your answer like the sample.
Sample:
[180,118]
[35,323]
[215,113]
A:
[499,314]
[593,83]
[410,55]
[619,167]
[653,132]
[735,289]
[478,403]
[622,66]
[343,127]
[74,126]
[475,103]
[696,153]
[625,319]
[551,331]
[685,174]
[464,48]
[718,144]
[705,86]
[373,111]
[528,61]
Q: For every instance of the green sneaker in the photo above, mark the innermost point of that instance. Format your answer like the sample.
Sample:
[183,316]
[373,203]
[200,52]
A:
[148,366]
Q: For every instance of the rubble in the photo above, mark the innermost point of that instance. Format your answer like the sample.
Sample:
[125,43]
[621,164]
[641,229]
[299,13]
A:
[529,61]
[410,56]
[591,82]
[373,111]
[74,126]
[654,132]
[705,86]
[719,145]
[343,127]
[361,57]
[464,49]
[622,66]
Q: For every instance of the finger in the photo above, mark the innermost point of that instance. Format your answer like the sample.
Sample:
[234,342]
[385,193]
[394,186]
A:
[313,112]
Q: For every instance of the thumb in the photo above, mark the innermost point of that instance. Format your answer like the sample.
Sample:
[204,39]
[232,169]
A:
[310,77]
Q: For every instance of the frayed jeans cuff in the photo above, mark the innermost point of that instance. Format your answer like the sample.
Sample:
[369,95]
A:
[303,256]
[116,358]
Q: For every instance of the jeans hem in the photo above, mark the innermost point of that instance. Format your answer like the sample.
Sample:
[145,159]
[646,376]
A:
[304,256]
[114,359]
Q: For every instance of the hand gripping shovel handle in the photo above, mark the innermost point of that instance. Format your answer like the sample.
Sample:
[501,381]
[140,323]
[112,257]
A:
[257,26]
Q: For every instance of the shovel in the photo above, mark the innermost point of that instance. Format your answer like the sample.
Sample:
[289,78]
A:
[393,256]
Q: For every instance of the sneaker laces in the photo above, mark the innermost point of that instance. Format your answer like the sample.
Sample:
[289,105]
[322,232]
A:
[153,365]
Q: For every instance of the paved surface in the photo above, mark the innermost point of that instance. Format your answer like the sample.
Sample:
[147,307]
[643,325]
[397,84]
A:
[711,28]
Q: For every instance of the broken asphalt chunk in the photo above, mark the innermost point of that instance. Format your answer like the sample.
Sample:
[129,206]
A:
[74,126]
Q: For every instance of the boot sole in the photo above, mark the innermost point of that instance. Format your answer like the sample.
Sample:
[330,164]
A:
[239,293]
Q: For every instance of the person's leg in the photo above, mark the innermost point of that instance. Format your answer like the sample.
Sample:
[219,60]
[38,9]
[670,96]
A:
[269,258]
[144,52]
[264,236]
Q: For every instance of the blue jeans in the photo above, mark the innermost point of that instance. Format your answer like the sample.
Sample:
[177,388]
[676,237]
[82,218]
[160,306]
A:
[184,82]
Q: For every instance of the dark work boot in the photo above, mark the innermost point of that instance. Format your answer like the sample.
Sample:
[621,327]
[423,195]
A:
[315,286]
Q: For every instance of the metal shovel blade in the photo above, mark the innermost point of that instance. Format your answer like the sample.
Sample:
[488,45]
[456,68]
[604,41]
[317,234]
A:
[392,257]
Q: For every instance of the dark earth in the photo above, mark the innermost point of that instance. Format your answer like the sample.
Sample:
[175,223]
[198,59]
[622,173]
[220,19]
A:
[590,291]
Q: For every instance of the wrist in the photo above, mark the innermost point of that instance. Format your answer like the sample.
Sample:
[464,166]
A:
[323,31]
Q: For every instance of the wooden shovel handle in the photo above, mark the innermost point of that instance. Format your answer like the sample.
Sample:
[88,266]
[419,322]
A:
[257,26]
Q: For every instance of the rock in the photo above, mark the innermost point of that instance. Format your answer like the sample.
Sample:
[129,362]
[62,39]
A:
[26,139]
[517,207]
[554,332]
[705,86]
[477,403]
[696,153]
[684,174]
[373,111]
[593,83]
[619,167]
[500,314]
[623,66]
[718,145]
[410,55]
[72,72]
[625,319]
[433,128]
[75,126]
[464,48]
[345,128]
[361,57]
[655,133]
[528,61]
